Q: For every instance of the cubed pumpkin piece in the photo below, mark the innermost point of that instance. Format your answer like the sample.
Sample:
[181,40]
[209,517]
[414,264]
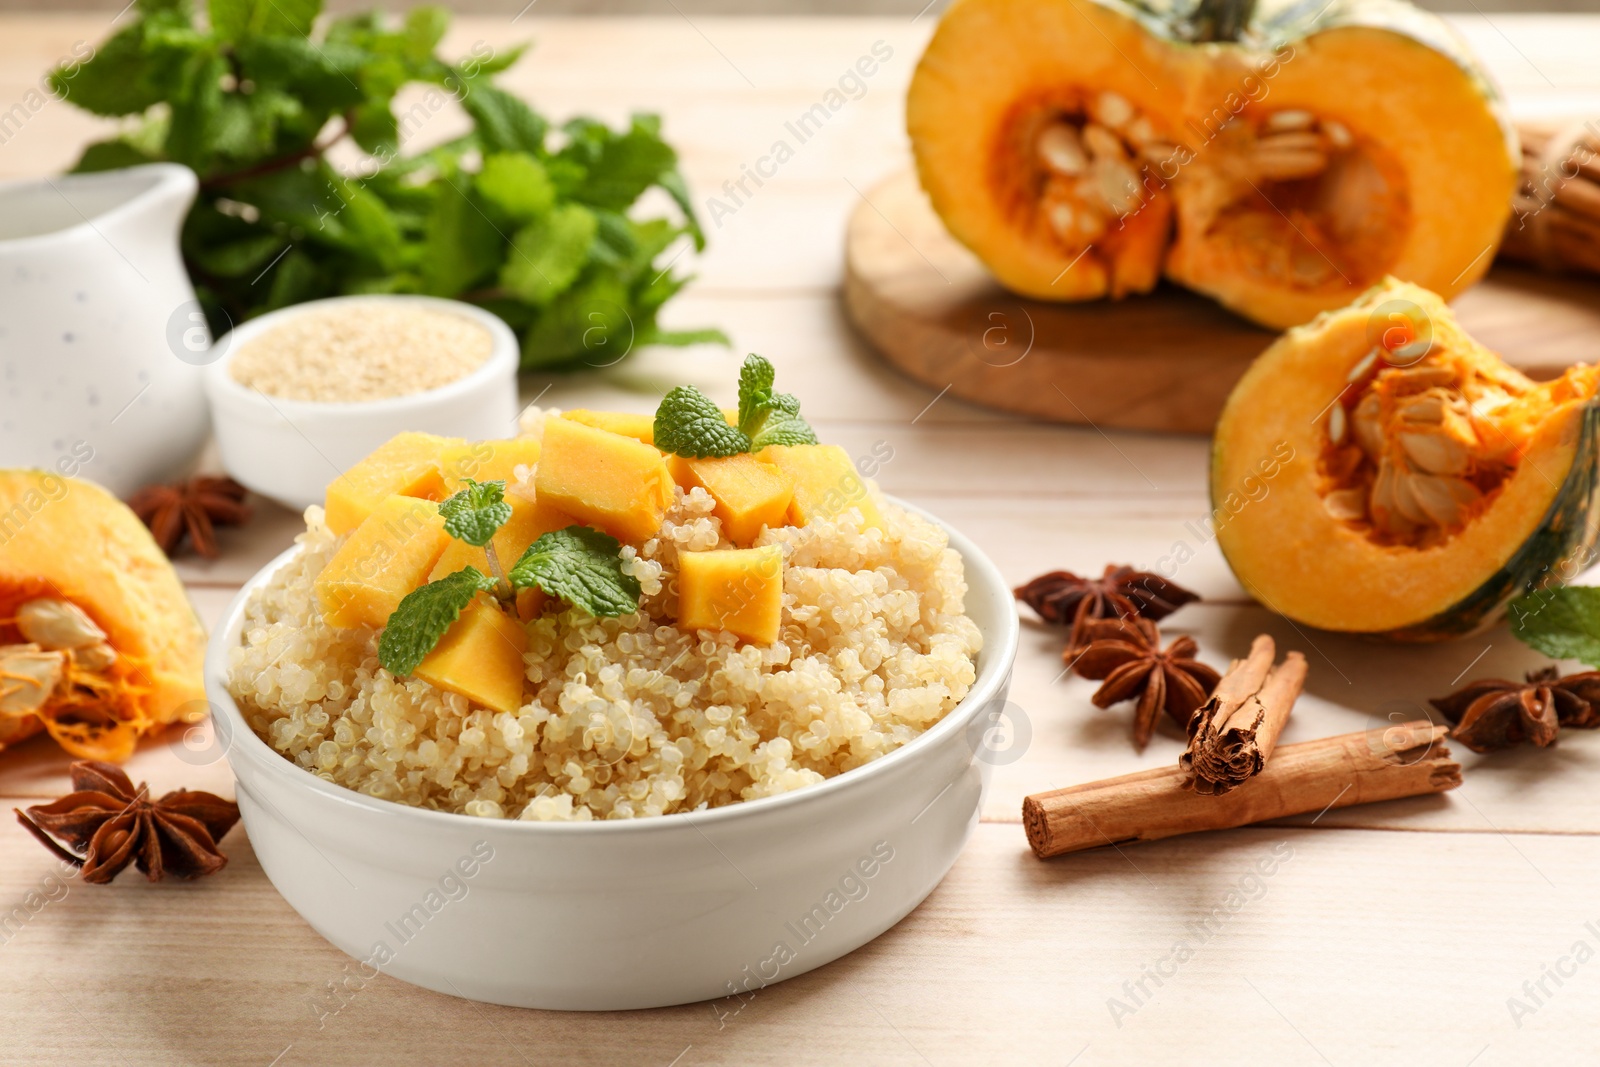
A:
[407,464]
[487,461]
[638,427]
[735,589]
[529,521]
[749,493]
[826,484]
[387,556]
[616,483]
[480,657]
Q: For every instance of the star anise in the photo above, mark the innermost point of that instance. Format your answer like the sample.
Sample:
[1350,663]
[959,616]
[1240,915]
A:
[1127,654]
[108,824]
[1121,592]
[191,509]
[1493,713]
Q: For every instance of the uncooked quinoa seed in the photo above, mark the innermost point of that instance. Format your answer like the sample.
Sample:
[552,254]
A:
[362,351]
[628,717]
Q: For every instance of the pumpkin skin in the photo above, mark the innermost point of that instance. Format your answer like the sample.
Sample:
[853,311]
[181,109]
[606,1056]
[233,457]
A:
[69,539]
[1301,561]
[1421,190]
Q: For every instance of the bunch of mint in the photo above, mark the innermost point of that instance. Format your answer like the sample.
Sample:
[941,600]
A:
[528,222]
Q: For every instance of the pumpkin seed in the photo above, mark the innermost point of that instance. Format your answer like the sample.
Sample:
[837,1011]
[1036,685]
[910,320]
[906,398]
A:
[1346,505]
[1337,424]
[94,658]
[1443,501]
[1141,130]
[1436,453]
[1113,109]
[1102,143]
[1062,219]
[1359,371]
[56,624]
[1338,133]
[1061,151]
[28,676]
[1290,120]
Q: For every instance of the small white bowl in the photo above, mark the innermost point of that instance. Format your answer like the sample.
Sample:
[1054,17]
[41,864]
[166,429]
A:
[289,450]
[630,913]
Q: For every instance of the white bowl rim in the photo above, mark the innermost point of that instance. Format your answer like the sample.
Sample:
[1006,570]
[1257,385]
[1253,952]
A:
[996,659]
[505,355]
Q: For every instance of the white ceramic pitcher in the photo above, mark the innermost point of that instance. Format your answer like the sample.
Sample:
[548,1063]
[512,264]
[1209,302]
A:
[100,334]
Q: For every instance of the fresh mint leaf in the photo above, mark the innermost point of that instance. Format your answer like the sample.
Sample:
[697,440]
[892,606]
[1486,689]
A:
[109,155]
[505,124]
[424,616]
[115,80]
[549,253]
[689,423]
[235,20]
[1563,623]
[515,186]
[461,245]
[475,513]
[783,429]
[581,566]
[769,418]
[756,378]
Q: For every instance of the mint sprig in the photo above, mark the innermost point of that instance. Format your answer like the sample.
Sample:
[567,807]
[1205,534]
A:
[1563,623]
[581,566]
[423,617]
[477,512]
[689,423]
[766,417]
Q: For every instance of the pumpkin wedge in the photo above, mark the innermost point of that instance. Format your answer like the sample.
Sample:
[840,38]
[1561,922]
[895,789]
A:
[98,642]
[1279,157]
[1416,483]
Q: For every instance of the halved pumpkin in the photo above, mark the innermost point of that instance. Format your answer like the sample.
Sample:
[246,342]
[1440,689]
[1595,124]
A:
[98,641]
[1277,157]
[1378,471]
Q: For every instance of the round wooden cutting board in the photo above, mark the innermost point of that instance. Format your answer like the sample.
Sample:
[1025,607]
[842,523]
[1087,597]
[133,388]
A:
[1164,361]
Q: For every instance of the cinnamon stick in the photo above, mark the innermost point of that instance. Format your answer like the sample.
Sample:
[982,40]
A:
[1335,772]
[1555,219]
[1234,733]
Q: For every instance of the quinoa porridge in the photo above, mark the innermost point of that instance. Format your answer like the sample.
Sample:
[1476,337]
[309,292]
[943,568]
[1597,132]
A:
[631,715]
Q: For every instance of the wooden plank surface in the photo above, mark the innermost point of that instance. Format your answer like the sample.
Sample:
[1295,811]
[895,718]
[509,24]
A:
[1392,934]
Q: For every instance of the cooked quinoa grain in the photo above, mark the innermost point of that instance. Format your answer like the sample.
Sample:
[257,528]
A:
[362,351]
[631,717]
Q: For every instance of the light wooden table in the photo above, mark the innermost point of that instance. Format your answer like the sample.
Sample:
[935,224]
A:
[1391,934]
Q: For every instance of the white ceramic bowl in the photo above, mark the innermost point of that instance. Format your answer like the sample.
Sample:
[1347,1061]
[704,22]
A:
[289,450]
[632,913]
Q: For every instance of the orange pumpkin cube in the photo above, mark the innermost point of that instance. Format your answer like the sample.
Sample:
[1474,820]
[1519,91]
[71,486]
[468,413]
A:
[739,590]
[388,555]
[407,464]
[750,493]
[487,461]
[826,484]
[480,657]
[616,483]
